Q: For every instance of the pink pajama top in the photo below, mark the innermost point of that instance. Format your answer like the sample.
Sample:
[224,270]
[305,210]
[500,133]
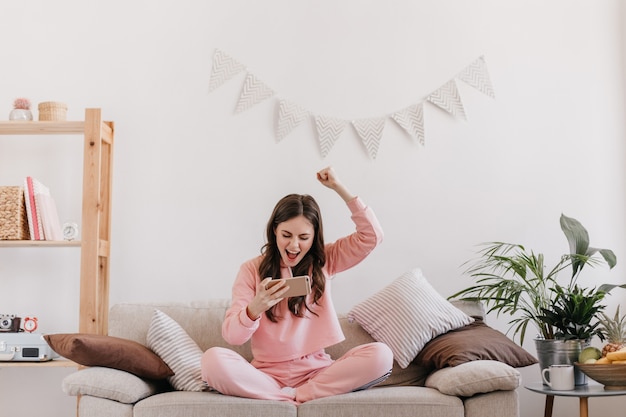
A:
[293,337]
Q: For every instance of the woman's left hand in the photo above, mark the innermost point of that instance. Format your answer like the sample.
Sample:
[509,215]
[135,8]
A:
[328,178]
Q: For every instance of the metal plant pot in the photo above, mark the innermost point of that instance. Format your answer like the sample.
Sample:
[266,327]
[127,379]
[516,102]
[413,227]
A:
[559,352]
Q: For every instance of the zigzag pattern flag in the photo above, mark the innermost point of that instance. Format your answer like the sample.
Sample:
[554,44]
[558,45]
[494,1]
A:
[253,92]
[328,131]
[224,68]
[371,132]
[290,115]
[448,98]
[411,119]
[476,75]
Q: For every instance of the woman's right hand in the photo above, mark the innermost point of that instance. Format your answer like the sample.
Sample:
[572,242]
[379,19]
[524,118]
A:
[265,298]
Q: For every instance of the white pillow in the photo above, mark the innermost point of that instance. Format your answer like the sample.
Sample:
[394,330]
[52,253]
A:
[178,350]
[407,314]
[474,377]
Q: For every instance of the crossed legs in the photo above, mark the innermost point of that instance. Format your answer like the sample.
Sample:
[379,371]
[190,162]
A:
[312,376]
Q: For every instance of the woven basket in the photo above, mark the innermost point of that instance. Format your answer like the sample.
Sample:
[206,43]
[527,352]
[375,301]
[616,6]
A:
[13,220]
[52,110]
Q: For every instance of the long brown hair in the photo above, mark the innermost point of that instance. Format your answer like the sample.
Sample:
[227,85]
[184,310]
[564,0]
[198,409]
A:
[288,207]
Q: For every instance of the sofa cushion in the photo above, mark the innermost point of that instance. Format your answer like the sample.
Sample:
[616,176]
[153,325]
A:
[406,314]
[111,352]
[387,401]
[108,383]
[474,378]
[89,406]
[170,341]
[476,341]
[210,404]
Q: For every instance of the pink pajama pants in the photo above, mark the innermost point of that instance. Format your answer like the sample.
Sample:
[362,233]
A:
[312,376]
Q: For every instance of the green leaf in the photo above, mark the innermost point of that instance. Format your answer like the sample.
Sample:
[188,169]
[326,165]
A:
[606,288]
[607,254]
[578,239]
[576,234]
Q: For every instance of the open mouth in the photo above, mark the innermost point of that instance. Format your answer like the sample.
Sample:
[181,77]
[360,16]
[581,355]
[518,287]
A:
[291,255]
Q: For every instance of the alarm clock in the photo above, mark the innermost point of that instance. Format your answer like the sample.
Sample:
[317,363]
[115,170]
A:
[70,231]
[30,324]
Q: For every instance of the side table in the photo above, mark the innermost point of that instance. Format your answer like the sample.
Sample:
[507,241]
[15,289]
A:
[583,392]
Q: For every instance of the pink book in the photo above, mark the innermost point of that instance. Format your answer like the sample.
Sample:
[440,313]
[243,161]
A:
[33,219]
[29,215]
[40,190]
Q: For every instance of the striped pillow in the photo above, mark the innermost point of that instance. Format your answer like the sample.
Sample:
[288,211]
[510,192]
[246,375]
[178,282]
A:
[407,314]
[179,351]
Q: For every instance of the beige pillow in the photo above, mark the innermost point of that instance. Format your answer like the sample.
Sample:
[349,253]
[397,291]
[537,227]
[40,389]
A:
[178,350]
[474,377]
[109,383]
[407,314]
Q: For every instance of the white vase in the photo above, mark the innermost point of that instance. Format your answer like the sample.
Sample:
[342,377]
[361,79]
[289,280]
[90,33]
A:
[20,114]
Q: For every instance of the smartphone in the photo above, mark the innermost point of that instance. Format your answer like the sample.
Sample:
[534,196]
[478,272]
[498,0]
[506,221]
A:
[297,285]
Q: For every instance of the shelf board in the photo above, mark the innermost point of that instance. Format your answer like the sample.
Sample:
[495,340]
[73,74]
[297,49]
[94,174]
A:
[55,363]
[38,243]
[38,128]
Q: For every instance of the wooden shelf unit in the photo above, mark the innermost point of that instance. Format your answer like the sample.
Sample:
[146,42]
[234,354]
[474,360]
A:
[96,213]
[56,363]
[38,243]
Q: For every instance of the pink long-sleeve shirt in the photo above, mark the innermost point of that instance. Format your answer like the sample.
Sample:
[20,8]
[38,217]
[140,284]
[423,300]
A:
[293,337]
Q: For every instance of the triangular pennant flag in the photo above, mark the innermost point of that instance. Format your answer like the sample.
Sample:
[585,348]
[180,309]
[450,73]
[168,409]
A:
[476,75]
[328,131]
[290,115]
[411,119]
[448,98]
[371,132]
[224,68]
[253,92]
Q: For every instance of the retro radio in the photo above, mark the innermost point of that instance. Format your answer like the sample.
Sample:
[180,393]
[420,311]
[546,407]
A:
[16,345]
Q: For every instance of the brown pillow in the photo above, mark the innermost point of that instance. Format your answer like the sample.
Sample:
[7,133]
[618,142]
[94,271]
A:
[110,352]
[476,341]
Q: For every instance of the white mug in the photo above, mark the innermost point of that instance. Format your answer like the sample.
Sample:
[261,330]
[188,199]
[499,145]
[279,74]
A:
[559,377]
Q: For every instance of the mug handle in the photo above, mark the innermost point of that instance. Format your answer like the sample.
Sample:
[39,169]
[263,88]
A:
[543,376]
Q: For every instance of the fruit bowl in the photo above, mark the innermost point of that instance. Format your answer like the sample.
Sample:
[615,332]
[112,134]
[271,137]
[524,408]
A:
[612,376]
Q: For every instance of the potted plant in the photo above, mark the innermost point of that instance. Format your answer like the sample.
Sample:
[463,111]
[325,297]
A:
[575,314]
[21,110]
[511,279]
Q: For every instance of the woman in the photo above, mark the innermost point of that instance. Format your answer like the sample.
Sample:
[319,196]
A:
[288,335]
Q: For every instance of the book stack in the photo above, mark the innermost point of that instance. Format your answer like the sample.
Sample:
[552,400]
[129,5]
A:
[41,211]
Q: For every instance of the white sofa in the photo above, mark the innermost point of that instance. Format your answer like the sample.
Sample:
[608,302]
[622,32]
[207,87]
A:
[474,389]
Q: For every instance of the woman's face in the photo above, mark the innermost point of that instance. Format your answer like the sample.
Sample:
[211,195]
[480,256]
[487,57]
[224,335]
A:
[294,238]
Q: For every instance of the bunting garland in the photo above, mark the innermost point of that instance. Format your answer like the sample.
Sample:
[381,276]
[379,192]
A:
[328,130]
[371,132]
[253,92]
[476,75]
[290,115]
[411,119]
[448,98]
[224,68]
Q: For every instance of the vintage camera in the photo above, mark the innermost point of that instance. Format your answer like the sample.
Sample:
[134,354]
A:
[10,323]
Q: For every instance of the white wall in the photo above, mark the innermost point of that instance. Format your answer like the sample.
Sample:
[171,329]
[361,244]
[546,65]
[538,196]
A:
[195,183]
